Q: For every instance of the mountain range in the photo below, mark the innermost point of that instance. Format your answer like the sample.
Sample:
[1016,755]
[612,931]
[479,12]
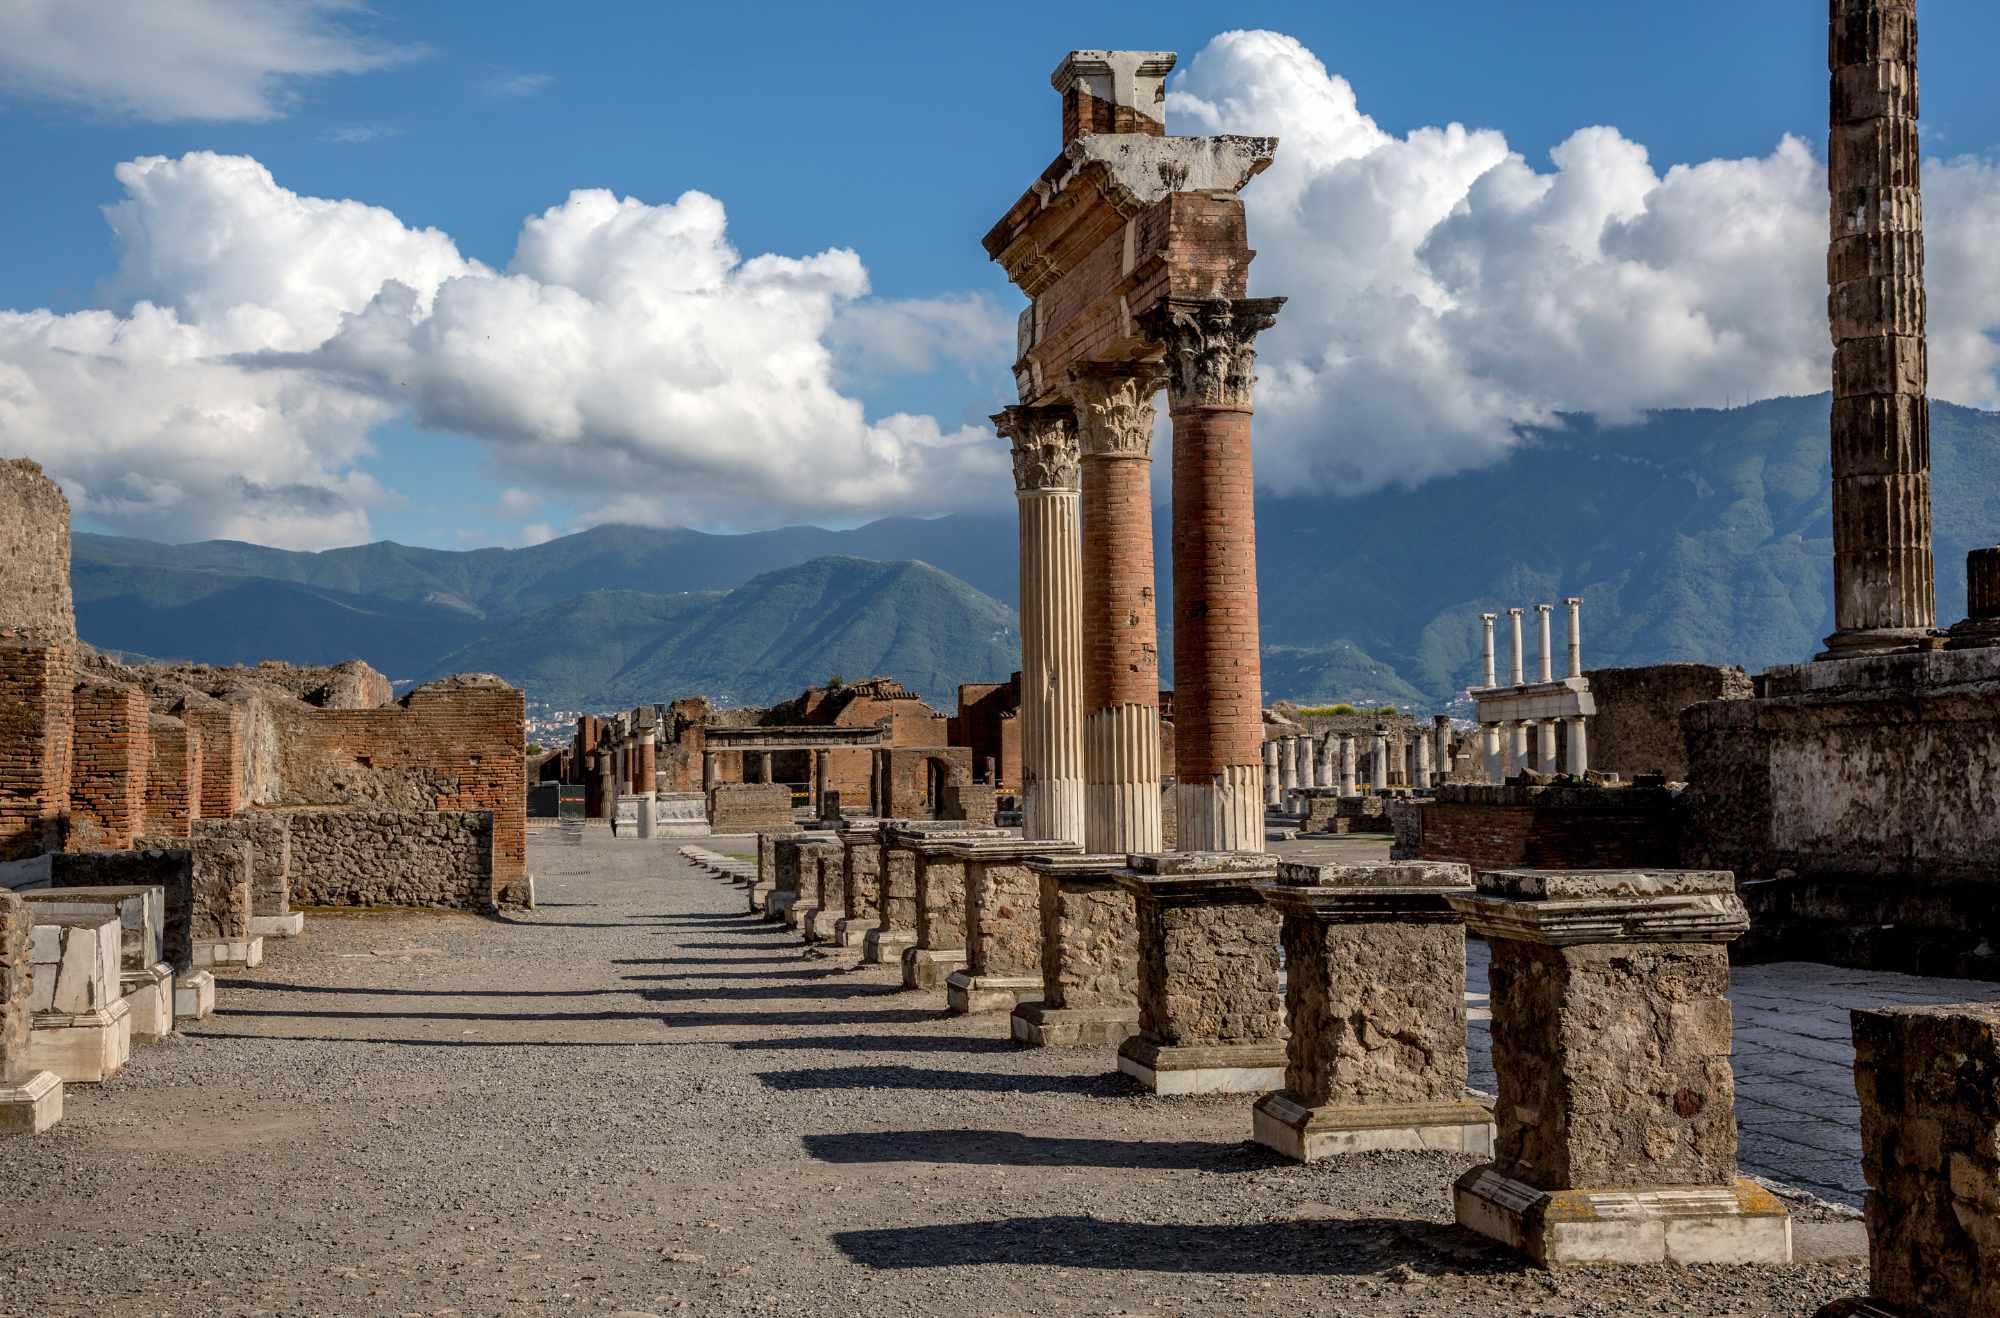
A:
[1691,535]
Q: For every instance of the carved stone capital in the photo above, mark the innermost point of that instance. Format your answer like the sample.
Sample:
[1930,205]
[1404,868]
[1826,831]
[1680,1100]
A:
[1114,407]
[1045,447]
[1211,349]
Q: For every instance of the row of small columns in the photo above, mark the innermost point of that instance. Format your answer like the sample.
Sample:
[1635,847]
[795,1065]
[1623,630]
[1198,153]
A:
[1506,743]
[1301,762]
[711,771]
[1640,1171]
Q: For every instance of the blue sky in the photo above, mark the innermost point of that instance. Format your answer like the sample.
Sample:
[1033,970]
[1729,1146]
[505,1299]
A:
[900,132]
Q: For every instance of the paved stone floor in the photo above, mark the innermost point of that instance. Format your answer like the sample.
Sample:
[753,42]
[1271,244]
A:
[639,1100]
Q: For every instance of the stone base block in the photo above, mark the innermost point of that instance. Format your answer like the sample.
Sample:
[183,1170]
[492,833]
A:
[799,914]
[1241,1068]
[283,926]
[760,896]
[31,1105]
[1737,1223]
[930,967]
[229,954]
[1308,1134]
[150,995]
[884,947]
[194,996]
[82,1049]
[1038,1026]
[968,994]
[817,925]
[777,903]
[851,932]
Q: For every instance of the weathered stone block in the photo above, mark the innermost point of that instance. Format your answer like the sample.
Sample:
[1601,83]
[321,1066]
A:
[1089,956]
[1611,1042]
[1003,927]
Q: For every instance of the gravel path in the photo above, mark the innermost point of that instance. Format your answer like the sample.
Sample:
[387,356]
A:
[637,1099]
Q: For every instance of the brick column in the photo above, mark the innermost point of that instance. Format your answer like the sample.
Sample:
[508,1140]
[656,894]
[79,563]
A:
[1045,482]
[1218,683]
[645,772]
[1121,651]
[1883,592]
[1611,1038]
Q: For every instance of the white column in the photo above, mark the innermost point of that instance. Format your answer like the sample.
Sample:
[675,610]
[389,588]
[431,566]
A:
[1442,730]
[1045,483]
[1545,749]
[1421,779]
[1486,621]
[1579,747]
[1273,788]
[1347,764]
[1378,767]
[1575,635]
[1546,611]
[1514,621]
[1288,764]
[1517,746]
[1308,762]
[1496,766]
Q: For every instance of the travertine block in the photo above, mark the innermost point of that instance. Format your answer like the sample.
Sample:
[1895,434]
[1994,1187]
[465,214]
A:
[1375,997]
[1611,1037]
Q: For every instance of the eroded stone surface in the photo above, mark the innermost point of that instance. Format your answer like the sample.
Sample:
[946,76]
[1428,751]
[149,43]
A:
[14,990]
[1377,1012]
[1208,972]
[1089,936]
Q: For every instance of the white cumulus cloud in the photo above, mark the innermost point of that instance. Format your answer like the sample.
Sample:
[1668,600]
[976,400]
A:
[627,358]
[180,59]
[1444,290]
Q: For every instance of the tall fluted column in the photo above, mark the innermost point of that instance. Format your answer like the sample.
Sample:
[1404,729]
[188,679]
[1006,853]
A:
[1545,613]
[1486,621]
[1272,789]
[1045,482]
[1347,764]
[1883,591]
[1218,673]
[1575,603]
[1121,646]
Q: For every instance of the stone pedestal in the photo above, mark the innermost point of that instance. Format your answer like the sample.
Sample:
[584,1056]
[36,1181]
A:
[861,846]
[938,904]
[767,866]
[194,995]
[896,892]
[1003,927]
[31,1098]
[278,926]
[228,953]
[1929,1110]
[1611,1038]
[1375,997]
[1210,1017]
[150,995]
[1089,956]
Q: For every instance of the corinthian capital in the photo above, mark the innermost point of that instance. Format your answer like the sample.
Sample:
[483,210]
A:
[1114,407]
[1045,448]
[1210,347]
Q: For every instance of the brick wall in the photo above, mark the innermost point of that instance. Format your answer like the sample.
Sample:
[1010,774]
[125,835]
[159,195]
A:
[173,777]
[452,745]
[223,752]
[1218,686]
[112,755]
[436,858]
[1559,827]
[906,778]
[748,807]
[37,675]
[985,710]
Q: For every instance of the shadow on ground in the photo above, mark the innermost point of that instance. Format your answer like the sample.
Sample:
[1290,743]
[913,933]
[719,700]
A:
[1109,1084]
[1007,1148]
[1307,1247]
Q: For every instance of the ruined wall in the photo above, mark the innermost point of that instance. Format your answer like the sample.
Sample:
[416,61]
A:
[222,865]
[268,835]
[907,779]
[169,869]
[1566,826]
[173,777]
[392,858]
[983,715]
[224,752]
[748,807]
[112,754]
[34,552]
[1857,805]
[452,745]
[1638,724]
[352,685]
[36,680]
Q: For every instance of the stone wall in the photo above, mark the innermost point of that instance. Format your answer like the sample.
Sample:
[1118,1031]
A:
[173,778]
[1638,724]
[1855,802]
[1564,826]
[974,803]
[34,552]
[437,858]
[37,672]
[112,754]
[220,908]
[748,807]
[906,779]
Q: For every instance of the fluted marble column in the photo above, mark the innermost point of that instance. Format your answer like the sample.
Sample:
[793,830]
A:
[1218,671]
[1121,650]
[1347,764]
[1378,759]
[1045,484]
[1288,764]
[1273,789]
[1883,589]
